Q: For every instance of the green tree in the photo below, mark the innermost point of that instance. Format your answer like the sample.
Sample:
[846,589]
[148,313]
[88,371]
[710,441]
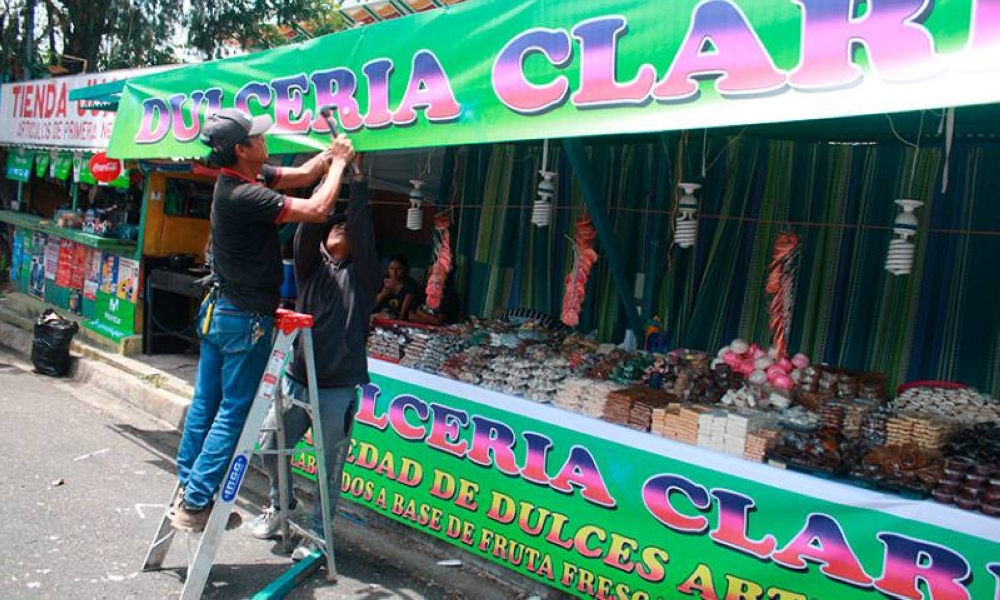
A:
[257,24]
[112,34]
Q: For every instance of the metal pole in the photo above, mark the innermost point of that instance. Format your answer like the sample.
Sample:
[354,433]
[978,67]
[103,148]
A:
[583,169]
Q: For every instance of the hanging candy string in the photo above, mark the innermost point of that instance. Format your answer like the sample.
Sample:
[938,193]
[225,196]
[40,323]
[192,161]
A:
[443,260]
[781,284]
[584,257]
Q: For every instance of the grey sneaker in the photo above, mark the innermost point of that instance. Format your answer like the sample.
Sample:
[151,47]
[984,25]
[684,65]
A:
[307,548]
[267,525]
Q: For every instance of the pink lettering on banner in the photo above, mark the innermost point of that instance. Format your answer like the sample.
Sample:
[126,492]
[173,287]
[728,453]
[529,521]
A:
[720,44]
[898,47]
[488,442]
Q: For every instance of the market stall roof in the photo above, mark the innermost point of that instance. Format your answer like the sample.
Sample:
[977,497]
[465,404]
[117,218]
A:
[103,96]
[357,12]
[541,69]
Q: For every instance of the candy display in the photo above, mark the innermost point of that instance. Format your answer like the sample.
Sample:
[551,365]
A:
[748,402]
[966,405]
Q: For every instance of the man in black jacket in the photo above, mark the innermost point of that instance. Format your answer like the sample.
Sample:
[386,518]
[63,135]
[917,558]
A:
[337,273]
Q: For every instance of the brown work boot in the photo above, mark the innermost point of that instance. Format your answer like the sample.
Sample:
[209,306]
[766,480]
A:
[186,518]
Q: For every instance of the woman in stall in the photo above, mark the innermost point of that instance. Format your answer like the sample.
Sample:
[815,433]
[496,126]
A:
[398,296]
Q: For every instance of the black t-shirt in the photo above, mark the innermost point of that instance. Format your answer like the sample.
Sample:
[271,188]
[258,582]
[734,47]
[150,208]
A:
[393,304]
[246,253]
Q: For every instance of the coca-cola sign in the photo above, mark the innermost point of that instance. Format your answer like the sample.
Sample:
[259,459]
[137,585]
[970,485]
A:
[105,169]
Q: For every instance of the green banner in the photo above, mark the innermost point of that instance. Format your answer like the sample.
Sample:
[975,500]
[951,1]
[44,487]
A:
[61,165]
[42,164]
[114,318]
[122,181]
[600,511]
[19,164]
[541,69]
[81,169]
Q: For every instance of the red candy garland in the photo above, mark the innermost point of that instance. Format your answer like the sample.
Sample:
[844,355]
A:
[442,261]
[781,284]
[576,280]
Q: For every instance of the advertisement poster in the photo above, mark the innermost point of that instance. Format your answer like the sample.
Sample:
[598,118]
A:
[51,258]
[16,255]
[61,165]
[109,273]
[19,161]
[127,287]
[64,267]
[36,277]
[600,511]
[78,266]
[113,318]
[42,164]
[92,279]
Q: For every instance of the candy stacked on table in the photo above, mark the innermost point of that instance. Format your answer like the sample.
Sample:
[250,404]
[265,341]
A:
[762,367]
[584,396]
[967,405]
[971,477]
[387,343]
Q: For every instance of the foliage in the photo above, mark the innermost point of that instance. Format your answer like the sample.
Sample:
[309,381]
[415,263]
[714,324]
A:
[257,24]
[114,34]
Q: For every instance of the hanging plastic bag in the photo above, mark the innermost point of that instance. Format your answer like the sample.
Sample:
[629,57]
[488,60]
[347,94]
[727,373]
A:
[50,348]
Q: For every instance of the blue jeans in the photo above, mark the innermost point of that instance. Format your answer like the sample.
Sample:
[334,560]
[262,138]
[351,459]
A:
[336,414]
[234,354]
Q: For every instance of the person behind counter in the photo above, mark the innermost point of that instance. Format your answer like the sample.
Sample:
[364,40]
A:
[398,295]
[236,319]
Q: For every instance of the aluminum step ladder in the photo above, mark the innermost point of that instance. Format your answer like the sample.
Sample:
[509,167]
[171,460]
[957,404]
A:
[289,326]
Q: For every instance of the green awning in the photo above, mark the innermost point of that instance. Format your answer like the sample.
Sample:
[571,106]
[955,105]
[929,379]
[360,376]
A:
[546,70]
[103,96]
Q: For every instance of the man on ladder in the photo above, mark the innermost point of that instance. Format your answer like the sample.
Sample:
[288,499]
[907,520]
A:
[337,274]
[235,321]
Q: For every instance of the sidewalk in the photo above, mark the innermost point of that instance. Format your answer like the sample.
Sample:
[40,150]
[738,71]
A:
[161,387]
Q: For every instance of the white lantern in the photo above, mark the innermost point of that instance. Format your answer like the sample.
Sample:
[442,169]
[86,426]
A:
[415,214]
[686,226]
[899,259]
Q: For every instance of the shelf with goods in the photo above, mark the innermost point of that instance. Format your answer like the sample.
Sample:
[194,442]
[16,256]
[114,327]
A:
[832,423]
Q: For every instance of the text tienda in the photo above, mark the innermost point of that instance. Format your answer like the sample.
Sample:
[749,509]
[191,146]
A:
[486,442]
[579,65]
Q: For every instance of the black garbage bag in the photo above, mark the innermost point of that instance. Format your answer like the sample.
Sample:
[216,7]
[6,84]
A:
[50,348]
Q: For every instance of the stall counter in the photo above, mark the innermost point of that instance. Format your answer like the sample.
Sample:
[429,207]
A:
[88,275]
[598,510]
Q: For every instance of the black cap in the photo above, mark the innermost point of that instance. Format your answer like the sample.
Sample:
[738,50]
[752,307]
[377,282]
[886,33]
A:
[228,127]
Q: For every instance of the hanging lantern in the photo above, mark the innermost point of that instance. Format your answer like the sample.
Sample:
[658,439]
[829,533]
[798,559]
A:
[899,260]
[686,229]
[541,212]
[415,214]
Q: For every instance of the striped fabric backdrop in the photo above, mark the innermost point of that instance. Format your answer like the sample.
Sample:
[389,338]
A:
[940,322]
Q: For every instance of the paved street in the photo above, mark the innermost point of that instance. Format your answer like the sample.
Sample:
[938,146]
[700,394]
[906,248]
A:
[83,480]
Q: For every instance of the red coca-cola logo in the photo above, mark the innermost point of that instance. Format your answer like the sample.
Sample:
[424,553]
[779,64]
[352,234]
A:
[105,169]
